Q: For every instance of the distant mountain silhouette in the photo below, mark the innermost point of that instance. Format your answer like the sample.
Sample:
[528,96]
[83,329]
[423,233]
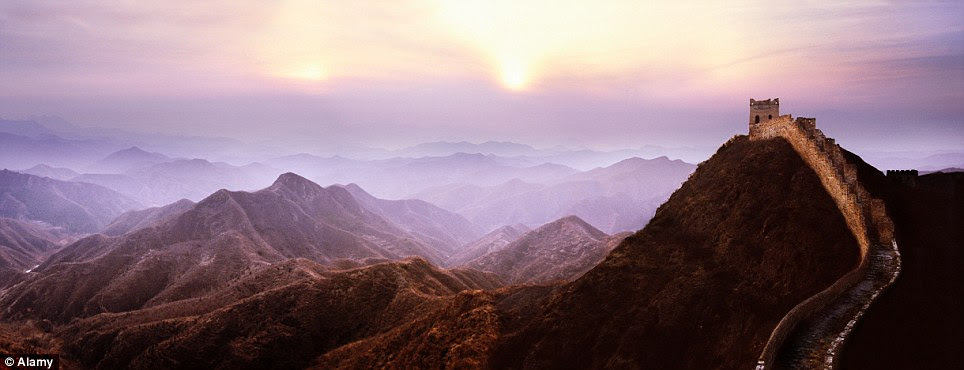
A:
[421,173]
[56,173]
[401,177]
[24,128]
[444,148]
[78,207]
[617,198]
[558,251]
[127,159]
[522,155]
[18,151]
[167,182]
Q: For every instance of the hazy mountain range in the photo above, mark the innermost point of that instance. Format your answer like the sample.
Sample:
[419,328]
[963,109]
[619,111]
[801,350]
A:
[617,198]
[75,206]
[140,259]
[510,184]
[53,141]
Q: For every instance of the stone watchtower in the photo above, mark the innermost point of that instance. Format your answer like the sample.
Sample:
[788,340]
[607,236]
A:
[764,110]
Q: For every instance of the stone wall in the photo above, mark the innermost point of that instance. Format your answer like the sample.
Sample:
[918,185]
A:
[865,216]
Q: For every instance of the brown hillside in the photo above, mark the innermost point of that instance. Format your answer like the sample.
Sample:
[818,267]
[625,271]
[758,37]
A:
[561,250]
[494,240]
[302,314]
[462,334]
[748,236]
[23,245]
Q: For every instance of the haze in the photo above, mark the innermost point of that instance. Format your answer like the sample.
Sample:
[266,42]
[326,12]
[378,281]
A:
[879,75]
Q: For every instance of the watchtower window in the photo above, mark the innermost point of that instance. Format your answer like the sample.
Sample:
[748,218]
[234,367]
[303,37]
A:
[770,116]
[757,119]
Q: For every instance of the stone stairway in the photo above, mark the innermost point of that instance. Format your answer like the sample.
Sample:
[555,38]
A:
[815,342]
[812,334]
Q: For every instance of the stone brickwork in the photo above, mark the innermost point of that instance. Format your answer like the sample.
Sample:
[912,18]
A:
[764,110]
[833,312]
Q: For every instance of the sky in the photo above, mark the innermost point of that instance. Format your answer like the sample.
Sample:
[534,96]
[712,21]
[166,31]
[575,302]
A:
[878,75]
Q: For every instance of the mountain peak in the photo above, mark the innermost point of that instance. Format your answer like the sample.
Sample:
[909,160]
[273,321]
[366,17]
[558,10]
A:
[135,152]
[295,187]
[133,149]
[291,179]
[357,192]
[574,222]
[125,159]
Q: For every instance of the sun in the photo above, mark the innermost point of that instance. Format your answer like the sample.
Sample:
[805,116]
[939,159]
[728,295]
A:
[514,75]
[308,72]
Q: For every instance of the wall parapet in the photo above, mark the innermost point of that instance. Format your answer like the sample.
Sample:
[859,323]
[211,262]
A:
[865,216]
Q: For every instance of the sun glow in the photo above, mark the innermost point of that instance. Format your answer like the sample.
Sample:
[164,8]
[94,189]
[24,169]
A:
[307,72]
[513,73]
[531,40]
[520,44]
[293,44]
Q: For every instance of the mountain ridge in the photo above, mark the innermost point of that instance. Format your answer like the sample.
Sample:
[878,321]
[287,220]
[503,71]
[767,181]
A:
[560,250]
[205,247]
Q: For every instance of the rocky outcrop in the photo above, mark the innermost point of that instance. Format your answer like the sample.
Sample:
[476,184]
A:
[812,334]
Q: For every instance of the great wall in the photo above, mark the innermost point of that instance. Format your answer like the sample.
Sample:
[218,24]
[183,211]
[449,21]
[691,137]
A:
[812,334]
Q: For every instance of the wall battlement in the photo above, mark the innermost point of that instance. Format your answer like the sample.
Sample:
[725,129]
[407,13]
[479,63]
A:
[867,219]
[907,177]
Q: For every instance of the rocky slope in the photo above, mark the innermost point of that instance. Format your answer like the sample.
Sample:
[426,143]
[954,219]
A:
[23,245]
[495,240]
[303,310]
[561,250]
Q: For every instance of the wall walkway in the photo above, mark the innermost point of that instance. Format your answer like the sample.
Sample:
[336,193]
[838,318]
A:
[812,334]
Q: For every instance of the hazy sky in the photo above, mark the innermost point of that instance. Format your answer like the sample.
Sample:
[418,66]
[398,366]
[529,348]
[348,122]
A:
[876,74]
